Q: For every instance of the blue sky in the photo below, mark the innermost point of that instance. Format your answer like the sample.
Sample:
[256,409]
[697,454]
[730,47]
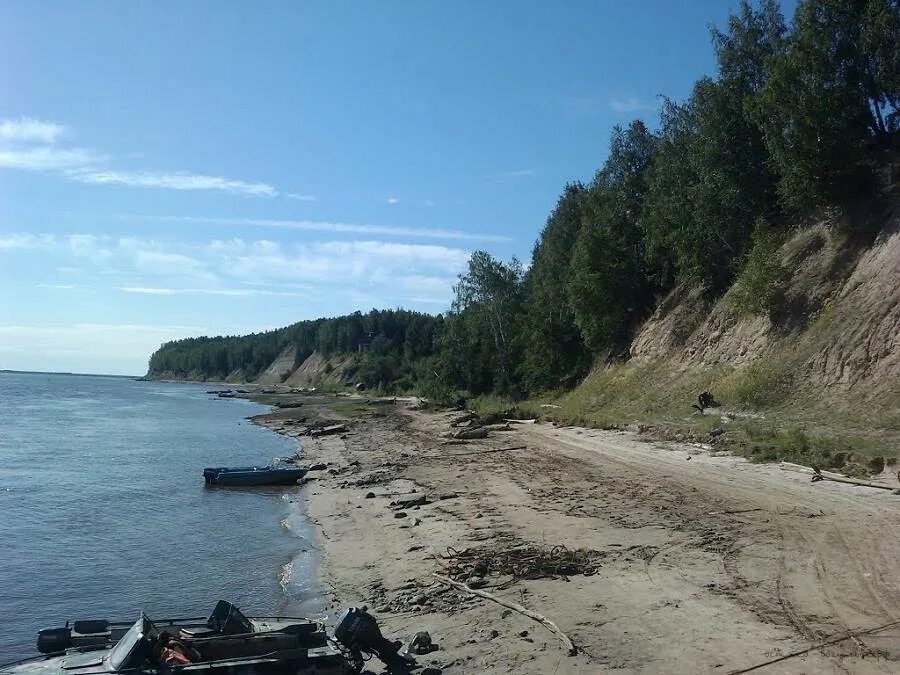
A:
[175,169]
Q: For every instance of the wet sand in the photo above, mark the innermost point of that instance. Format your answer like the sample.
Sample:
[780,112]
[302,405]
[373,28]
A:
[704,563]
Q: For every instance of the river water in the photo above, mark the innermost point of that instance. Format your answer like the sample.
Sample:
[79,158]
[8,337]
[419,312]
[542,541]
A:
[103,511]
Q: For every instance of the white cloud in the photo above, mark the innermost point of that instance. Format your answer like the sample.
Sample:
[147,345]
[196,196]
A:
[393,272]
[231,292]
[631,104]
[514,174]
[60,287]
[327,226]
[31,144]
[15,241]
[165,263]
[173,181]
[45,158]
[299,197]
[396,273]
[29,130]
[392,200]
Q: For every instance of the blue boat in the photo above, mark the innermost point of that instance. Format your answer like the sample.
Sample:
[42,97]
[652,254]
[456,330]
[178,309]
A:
[272,474]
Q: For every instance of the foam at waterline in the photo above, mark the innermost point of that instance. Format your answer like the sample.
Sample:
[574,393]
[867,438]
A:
[284,577]
[304,592]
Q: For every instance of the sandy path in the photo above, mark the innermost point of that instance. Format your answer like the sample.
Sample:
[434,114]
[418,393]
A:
[710,564]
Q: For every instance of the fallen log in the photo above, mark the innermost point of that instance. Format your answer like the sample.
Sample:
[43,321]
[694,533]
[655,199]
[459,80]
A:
[498,427]
[462,418]
[829,475]
[420,500]
[850,634]
[333,429]
[485,452]
[515,421]
[465,434]
[571,649]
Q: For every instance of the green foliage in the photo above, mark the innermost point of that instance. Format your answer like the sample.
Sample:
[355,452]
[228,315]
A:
[763,384]
[760,283]
[437,392]
[828,95]
[478,344]
[399,336]
[607,288]
[552,347]
[708,183]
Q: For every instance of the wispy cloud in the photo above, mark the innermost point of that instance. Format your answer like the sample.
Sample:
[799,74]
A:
[31,144]
[518,173]
[360,263]
[327,226]
[392,200]
[30,130]
[512,175]
[232,292]
[299,197]
[46,158]
[94,327]
[179,180]
[59,287]
[395,272]
[25,240]
[630,104]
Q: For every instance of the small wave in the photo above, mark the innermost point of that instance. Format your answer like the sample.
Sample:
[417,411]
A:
[284,577]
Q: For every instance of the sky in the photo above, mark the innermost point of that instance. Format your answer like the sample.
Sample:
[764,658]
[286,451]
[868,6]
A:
[179,169]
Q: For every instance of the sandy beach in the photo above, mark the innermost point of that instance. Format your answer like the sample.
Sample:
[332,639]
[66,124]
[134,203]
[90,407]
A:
[698,562]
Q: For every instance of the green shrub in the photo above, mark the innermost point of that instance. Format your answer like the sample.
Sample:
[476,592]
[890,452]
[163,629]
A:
[760,284]
[437,392]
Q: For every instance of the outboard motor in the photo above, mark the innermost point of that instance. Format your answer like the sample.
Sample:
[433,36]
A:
[358,631]
[53,640]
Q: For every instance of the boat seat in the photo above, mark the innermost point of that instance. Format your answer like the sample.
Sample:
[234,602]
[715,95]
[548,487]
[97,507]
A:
[91,627]
[195,632]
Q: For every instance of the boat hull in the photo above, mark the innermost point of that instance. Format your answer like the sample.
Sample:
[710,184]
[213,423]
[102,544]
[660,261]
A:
[250,476]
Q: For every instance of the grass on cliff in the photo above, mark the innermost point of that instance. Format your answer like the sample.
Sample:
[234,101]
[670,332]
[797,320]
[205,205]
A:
[761,417]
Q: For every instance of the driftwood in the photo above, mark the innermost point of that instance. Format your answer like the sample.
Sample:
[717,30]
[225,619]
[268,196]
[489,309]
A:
[485,452]
[515,421]
[498,427]
[828,475]
[465,434]
[333,429]
[571,649]
[420,500]
[456,421]
[850,634]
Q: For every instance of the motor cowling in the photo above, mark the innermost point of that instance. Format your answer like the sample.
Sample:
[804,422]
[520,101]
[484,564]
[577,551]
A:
[52,640]
[358,631]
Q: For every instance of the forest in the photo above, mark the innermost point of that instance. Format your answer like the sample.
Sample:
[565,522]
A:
[798,120]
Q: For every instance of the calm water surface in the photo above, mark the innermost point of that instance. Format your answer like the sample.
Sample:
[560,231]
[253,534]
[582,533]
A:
[103,511]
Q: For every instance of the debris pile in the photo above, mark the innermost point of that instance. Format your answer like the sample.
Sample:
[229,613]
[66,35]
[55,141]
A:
[524,562]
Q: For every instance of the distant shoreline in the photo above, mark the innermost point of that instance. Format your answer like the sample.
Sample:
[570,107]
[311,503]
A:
[55,372]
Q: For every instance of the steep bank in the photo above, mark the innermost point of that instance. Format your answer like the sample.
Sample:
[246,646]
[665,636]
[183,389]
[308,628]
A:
[824,361]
